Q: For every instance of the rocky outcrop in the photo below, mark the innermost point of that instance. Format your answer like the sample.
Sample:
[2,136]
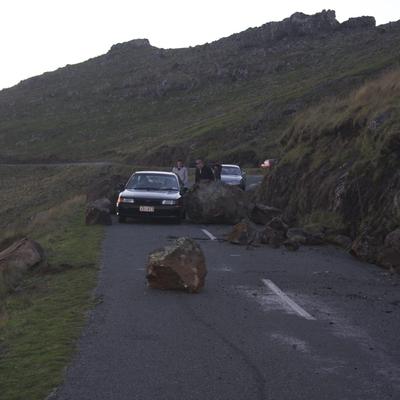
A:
[180,266]
[98,212]
[359,23]
[16,260]
[215,202]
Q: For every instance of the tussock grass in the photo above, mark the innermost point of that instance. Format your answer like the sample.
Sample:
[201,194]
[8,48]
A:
[41,320]
[369,117]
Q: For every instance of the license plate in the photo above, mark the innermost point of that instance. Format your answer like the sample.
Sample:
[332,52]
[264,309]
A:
[146,209]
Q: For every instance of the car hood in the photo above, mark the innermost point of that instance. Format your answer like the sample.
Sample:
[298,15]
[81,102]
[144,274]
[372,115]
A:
[151,194]
[231,178]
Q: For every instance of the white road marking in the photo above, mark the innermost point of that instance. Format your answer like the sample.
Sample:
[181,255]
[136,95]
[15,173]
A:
[209,234]
[235,255]
[287,301]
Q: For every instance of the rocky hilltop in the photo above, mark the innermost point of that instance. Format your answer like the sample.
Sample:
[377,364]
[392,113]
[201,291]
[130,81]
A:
[229,100]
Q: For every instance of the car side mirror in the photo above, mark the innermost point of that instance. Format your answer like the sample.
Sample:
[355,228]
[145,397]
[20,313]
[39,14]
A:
[121,187]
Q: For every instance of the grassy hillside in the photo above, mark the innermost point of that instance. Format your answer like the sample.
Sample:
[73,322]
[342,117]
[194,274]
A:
[340,164]
[228,100]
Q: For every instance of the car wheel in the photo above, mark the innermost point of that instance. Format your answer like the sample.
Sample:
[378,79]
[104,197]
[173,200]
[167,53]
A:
[121,219]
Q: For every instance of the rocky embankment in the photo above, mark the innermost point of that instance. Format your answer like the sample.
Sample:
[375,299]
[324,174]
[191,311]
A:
[340,170]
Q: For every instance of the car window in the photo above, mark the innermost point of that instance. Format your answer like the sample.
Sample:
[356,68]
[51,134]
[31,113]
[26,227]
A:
[230,171]
[153,182]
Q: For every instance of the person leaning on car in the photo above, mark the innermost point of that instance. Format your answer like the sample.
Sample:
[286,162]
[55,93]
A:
[203,172]
[182,173]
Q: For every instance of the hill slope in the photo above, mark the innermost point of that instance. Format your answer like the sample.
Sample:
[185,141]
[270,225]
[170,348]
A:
[228,100]
[340,169]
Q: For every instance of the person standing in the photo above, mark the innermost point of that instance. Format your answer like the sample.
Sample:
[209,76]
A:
[203,172]
[217,169]
[182,172]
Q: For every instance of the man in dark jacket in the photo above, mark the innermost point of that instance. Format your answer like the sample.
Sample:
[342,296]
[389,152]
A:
[203,172]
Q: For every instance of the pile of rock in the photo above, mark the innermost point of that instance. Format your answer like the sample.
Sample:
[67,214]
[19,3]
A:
[275,233]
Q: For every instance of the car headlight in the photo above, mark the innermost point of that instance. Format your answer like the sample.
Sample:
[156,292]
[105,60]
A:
[125,200]
[168,202]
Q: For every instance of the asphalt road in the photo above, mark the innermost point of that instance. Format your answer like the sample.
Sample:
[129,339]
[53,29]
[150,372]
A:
[238,338]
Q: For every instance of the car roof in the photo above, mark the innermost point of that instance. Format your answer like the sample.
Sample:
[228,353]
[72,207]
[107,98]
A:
[230,165]
[155,172]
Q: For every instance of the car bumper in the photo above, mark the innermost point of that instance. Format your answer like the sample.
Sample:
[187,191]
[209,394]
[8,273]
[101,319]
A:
[160,211]
[236,183]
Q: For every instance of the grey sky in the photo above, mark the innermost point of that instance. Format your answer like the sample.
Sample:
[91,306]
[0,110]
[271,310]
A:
[42,35]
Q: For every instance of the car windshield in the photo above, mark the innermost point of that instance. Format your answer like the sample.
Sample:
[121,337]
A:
[230,170]
[153,182]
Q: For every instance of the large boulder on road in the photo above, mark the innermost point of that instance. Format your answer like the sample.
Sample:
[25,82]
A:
[16,260]
[215,202]
[180,266]
[98,212]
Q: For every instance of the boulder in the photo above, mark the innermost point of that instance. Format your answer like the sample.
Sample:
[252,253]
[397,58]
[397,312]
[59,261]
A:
[215,202]
[389,256]
[340,240]
[98,212]
[365,248]
[262,214]
[303,237]
[291,245]
[180,266]
[278,224]
[16,260]
[106,188]
[244,233]
[271,236]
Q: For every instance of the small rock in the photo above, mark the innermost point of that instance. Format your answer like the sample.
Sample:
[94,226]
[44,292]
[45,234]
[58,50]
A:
[340,240]
[244,233]
[291,245]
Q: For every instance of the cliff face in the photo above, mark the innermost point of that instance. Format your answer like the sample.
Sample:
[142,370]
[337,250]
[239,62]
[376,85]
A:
[340,166]
[228,100]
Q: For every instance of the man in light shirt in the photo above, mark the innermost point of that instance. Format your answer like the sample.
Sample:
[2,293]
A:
[182,173]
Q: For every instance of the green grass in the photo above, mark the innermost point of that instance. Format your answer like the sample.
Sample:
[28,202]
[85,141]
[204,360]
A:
[116,113]
[44,318]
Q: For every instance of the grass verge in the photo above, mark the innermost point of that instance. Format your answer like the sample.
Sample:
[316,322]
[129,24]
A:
[43,319]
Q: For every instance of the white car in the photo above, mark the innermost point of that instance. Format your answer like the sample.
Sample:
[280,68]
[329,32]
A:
[232,174]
